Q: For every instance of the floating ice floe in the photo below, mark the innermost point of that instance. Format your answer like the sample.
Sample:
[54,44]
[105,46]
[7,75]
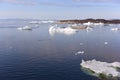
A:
[81,44]
[66,30]
[88,23]
[105,43]
[39,22]
[79,52]
[82,27]
[115,29]
[89,28]
[47,21]
[25,28]
[99,24]
[94,24]
[101,69]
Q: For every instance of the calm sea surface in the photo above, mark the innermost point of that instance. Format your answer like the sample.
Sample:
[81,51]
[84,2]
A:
[39,55]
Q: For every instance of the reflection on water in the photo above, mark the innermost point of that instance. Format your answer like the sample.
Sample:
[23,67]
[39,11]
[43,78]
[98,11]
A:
[102,70]
[36,55]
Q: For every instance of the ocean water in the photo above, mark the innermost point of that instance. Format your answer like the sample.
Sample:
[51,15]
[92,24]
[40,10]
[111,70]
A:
[40,55]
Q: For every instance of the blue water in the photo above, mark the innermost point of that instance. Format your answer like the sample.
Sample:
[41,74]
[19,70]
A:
[37,55]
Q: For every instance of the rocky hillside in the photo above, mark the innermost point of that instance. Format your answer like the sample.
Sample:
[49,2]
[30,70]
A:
[115,21]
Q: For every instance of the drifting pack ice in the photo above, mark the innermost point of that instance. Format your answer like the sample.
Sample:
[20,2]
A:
[102,69]
[65,30]
[25,28]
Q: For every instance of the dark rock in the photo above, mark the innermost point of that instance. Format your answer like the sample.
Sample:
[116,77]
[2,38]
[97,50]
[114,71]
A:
[114,21]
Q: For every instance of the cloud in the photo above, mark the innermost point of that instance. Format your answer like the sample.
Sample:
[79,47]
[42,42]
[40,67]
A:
[34,3]
[46,3]
[21,2]
[30,2]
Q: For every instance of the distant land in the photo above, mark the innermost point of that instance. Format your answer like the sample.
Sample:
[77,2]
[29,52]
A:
[70,21]
[112,21]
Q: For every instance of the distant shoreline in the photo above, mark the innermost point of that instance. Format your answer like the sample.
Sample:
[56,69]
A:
[114,21]
[71,21]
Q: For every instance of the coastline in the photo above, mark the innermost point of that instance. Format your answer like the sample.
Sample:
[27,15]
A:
[114,21]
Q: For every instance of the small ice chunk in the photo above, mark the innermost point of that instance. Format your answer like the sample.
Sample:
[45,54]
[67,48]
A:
[25,28]
[89,28]
[81,43]
[114,29]
[79,52]
[105,43]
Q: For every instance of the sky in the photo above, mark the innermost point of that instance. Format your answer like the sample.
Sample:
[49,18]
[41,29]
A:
[60,9]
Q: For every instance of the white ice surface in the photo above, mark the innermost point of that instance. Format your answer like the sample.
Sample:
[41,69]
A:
[102,67]
[25,28]
[66,31]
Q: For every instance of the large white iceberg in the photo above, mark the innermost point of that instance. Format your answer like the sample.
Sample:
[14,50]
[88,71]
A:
[65,30]
[98,68]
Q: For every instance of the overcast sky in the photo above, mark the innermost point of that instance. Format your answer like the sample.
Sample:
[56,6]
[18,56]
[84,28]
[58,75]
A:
[60,9]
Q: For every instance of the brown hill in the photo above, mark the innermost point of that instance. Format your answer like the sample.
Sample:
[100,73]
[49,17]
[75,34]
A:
[115,21]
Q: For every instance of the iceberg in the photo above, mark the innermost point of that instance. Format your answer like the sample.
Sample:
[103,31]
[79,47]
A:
[47,21]
[39,22]
[89,28]
[83,27]
[93,24]
[65,30]
[25,28]
[99,24]
[79,52]
[105,43]
[88,24]
[114,29]
[102,69]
